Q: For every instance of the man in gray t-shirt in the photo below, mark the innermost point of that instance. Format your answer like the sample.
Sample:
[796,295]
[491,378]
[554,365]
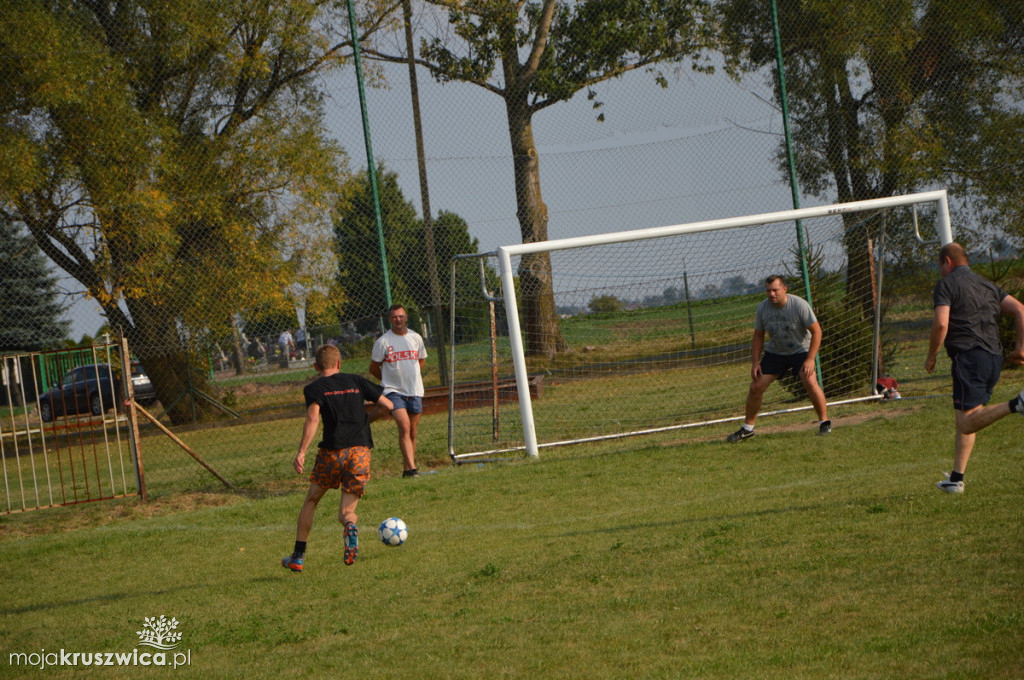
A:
[794,336]
[786,323]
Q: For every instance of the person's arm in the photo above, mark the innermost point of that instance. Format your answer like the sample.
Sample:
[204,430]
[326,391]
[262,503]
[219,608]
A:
[940,324]
[421,353]
[375,369]
[756,345]
[1011,306]
[308,433]
[812,351]
[381,407]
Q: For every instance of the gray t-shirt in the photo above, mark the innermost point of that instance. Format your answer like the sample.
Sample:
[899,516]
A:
[786,326]
[974,309]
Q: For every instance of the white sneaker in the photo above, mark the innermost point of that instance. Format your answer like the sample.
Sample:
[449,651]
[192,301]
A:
[1020,396]
[950,487]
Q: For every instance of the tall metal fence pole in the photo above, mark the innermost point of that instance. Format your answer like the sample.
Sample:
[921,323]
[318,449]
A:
[794,184]
[371,165]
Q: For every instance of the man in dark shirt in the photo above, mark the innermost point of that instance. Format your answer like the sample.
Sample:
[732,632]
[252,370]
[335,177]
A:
[966,321]
[343,457]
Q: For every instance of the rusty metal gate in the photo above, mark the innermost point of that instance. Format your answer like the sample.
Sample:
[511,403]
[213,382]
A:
[68,432]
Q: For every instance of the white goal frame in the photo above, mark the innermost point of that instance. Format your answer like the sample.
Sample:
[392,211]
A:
[507,274]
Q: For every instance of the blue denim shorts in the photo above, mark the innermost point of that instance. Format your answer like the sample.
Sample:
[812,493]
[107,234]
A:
[413,405]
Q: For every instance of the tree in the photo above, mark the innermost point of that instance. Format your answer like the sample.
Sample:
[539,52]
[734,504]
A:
[737,285]
[358,252]
[892,97]
[534,55]
[357,245]
[29,303]
[172,158]
[606,303]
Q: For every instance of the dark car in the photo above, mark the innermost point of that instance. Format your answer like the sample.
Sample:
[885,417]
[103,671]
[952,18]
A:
[145,394]
[85,389]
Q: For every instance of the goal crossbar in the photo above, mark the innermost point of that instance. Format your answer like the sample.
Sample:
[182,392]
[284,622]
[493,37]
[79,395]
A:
[507,275]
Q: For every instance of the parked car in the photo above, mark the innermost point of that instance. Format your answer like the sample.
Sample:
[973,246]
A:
[85,389]
[145,394]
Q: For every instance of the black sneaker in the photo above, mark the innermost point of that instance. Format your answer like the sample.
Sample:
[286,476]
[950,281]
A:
[411,473]
[825,427]
[739,435]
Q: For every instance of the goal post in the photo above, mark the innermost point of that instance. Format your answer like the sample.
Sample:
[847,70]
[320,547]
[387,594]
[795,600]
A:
[851,244]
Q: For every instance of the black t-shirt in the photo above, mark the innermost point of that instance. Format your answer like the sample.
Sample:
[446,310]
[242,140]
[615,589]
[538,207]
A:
[341,398]
[974,311]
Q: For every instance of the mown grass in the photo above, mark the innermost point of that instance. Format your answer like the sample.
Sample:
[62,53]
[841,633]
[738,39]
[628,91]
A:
[679,556]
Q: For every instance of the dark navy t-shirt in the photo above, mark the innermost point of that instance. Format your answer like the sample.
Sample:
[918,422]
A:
[342,398]
[974,311]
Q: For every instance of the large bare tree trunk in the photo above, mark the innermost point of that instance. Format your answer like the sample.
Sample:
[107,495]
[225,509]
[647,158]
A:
[539,318]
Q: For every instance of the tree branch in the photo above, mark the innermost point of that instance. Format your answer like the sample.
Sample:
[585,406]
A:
[540,104]
[432,67]
[540,40]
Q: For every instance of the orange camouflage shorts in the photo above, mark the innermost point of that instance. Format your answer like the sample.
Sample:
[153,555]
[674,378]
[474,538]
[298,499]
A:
[348,469]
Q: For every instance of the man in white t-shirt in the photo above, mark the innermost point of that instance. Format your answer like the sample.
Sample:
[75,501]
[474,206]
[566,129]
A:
[286,343]
[794,337]
[397,360]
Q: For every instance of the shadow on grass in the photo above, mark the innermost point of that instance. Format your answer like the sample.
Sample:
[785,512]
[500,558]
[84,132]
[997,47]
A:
[116,597]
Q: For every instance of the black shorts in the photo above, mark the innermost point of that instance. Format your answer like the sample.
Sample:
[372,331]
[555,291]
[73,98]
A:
[778,364]
[975,374]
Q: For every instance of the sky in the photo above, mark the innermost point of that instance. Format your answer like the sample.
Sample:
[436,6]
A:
[702,148]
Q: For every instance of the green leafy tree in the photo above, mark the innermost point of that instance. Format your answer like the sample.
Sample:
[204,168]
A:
[360,277]
[30,313]
[606,303]
[360,273]
[889,97]
[534,55]
[171,157]
[451,238]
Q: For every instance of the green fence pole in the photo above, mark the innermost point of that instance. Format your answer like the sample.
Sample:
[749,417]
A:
[794,186]
[371,166]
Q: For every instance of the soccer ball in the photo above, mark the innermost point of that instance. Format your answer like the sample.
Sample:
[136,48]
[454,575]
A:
[393,532]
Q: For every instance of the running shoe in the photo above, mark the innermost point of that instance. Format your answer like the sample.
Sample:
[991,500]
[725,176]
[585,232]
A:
[739,435]
[950,487]
[351,543]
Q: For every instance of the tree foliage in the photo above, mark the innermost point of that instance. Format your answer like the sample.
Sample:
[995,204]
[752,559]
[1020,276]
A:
[880,94]
[171,157]
[358,252]
[534,55]
[606,303]
[30,314]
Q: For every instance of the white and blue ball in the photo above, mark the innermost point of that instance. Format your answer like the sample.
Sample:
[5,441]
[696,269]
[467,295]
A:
[393,532]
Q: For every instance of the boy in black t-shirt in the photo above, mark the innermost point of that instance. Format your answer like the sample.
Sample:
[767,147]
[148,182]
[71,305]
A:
[343,456]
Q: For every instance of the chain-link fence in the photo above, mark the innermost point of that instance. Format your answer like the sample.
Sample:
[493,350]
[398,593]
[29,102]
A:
[194,176]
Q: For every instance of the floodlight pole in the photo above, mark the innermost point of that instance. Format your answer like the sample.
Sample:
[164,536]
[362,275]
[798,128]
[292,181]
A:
[794,186]
[428,220]
[371,165]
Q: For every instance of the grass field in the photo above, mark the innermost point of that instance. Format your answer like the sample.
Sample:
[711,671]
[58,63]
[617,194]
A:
[786,556]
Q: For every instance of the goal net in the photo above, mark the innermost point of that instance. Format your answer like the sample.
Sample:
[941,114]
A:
[654,326]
